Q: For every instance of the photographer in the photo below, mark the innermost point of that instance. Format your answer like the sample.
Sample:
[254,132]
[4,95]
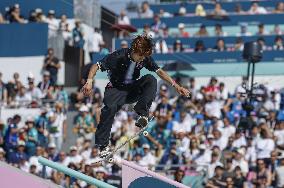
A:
[52,65]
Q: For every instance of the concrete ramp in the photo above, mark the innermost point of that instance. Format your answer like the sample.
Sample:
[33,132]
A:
[11,177]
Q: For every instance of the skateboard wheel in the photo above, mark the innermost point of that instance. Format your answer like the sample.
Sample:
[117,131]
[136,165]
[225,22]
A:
[145,133]
[110,160]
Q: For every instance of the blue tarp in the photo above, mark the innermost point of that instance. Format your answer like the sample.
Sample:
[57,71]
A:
[210,57]
[197,21]
[23,39]
[228,6]
[60,7]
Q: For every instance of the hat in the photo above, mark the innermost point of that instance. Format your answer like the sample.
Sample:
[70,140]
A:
[146,146]
[202,146]
[182,10]
[30,119]
[52,12]
[16,6]
[46,73]
[51,145]
[164,88]
[181,25]
[72,148]
[21,143]
[84,108]
[38,10]
[2,150]
[31,76]
[199,116]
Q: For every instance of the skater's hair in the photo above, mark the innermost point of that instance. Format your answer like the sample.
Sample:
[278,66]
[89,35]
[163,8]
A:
[143,45]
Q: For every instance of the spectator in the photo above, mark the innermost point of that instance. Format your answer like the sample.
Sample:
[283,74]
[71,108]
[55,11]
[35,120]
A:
[45,84]
[199,10]
[19,155]
[146,11]
[64,28]
[263,176]
[123,18]
[277,30]
[261,30]
[147,31]
[278,43]
[218,179]
[279,9]
[164,14]
[3,91]
[218,11]
[238,9]
[244,31]
[40,17]
[261,42]
[182,11]
[158,25]
[148,159]
[265,145]
[199,46]
[239,161]
[178,46]
[94,42]
[165,33]
[78,35]
[52,65]
[183,125]
[212,107]
[280,173]
[213,164]
[123,44]
[202,32]
[74,156]
[2,20]
[161,47]
[182,32]
[34,92]
[53,24]
[239,178]
[32,136]
[179,175]
[256,9]
[220,45]
[239,45]
[219,31]
[16,15]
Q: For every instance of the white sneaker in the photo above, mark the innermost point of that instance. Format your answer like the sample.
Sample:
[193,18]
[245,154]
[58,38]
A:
[141,122]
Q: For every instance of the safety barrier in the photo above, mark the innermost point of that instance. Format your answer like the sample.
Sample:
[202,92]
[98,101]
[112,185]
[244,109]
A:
[78,175]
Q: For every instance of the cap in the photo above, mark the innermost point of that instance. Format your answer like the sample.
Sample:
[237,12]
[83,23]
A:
[51,145]
[46,73]
[38,10]
[181,25]
[84,108]
[30,75]
[21,143]
[146,146]
[72,148]
[100,169]
[182,10]
[16,6]
[51,12]
[30,119]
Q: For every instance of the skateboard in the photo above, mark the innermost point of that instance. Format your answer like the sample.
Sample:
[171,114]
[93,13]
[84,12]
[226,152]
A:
[143,131]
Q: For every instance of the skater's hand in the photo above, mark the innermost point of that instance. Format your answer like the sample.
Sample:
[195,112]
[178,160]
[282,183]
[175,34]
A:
[183,91]
[87,89]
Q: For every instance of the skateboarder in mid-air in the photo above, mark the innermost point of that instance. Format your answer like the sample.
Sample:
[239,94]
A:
[125,86]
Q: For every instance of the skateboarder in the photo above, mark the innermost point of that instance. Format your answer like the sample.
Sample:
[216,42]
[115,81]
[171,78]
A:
[126,86]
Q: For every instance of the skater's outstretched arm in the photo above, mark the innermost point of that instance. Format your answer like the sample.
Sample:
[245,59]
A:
[181,90]
[87,88]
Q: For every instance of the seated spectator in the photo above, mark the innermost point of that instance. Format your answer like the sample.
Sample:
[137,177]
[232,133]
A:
[123,44]
[239,45]
[265,144]
[199,10]
[158,25]
[148,159]
[244,30]
[182,11]
[19,155]
[218,11]
[34,92]
[202,32]
[199,46]
[256,9]
[261,30]
[178,47]
[164,14]
[45,84]
[161,47]
[222,93]
[279,9]
[219,31]
[15,15]
[78,35]
[74,156]
[218,179]
[146,11]
[164,109]
[22,98]
[277,30]
[239,178]
[263,175]
[123,18]
[280,173]
[220,45]
[52,65]
[179,175]
[147,31]
[261,42]
[239,161]
[183,124]
[53,24]
[213,164]
[278,43]
[238,9]
[182,32]
[2,20]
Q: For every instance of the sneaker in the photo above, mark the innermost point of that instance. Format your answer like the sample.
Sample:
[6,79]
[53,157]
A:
[104,152]
[141,122]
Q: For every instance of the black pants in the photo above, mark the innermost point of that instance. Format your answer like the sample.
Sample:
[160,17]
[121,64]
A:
[143,92]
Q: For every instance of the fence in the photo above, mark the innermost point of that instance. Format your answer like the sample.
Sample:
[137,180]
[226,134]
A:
[72,173]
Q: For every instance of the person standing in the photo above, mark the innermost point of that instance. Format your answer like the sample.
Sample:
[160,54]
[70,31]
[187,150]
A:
[52,65]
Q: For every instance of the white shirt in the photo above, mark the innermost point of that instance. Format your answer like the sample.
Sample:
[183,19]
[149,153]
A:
[221,142]
[94,42]
[34,94]
[123,20]
[53,26]
[251,155]
[213,108]
[242,164]
[164,47]
[34,161]
[183,144]
[228,131]
[264,147]
[279,134]
[184,126]
[259,10]
[280,176]
[239,142]
[22,100]
[74,159]
[59,121]
[148,160]
[211,168]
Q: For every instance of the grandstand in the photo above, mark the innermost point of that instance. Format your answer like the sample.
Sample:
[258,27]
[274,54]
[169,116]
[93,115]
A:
[48,47]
